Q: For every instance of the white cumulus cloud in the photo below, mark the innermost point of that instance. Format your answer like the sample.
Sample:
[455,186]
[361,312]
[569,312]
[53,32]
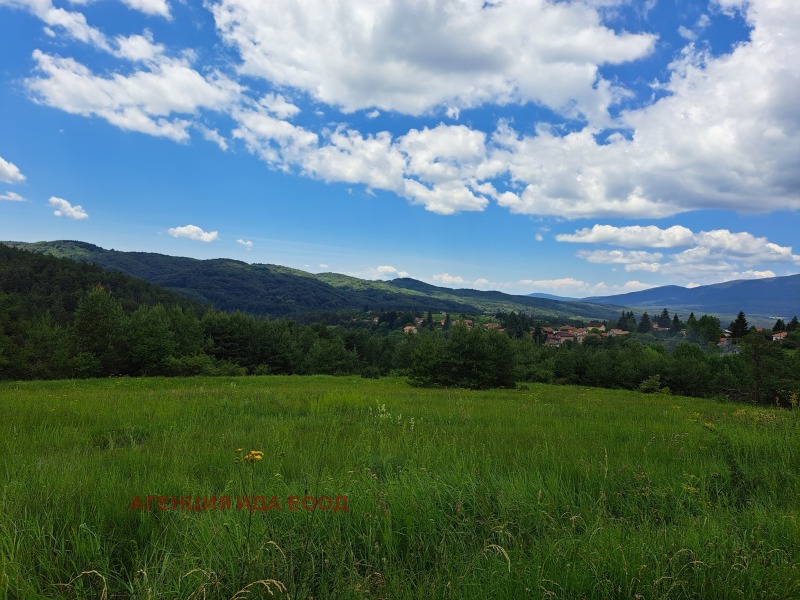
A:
[570,286]
[448,279]
[138,48]
[193,232]
[719,131]
[246,243]
[11,197]
[718,254]
[624,257]
[563,284]
[212,135]
[9,172]
[742,246]
[632,236]
[159,8]
[379,272]
[414,57]
[147,101]
[65,209]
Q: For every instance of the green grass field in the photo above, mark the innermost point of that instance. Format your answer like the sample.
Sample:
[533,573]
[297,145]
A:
[545,492]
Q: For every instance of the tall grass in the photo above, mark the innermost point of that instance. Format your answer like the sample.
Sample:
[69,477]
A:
[544,492]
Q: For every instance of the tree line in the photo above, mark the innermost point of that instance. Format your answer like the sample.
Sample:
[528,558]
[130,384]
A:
[62,319]
[104,339]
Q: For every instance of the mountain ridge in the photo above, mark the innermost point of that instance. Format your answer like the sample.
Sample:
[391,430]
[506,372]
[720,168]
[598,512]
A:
[766,298]
[279,291]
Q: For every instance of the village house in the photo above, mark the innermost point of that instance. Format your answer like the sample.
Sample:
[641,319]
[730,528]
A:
[779,336]
[552,340]
[564,336]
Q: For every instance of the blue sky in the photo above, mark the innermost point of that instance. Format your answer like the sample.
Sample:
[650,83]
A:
[576,148]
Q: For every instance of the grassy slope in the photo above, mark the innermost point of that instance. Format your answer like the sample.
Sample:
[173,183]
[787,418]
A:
[559,492]
[277,290]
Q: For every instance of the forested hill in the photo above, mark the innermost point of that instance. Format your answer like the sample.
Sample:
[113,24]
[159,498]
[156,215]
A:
[278,291]
[34,285]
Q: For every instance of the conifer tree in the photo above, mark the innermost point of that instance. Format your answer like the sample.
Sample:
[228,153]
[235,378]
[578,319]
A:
[645,325]
[739,327]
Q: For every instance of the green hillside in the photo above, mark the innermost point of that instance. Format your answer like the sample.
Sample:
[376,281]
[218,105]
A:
[278,291]
[33,285]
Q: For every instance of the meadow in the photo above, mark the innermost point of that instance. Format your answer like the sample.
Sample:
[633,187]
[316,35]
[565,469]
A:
[539,492]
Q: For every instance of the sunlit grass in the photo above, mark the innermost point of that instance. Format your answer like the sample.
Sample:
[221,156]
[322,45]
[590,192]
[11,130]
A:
[548,491]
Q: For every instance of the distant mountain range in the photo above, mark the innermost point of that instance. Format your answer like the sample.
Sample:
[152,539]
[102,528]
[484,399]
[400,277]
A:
[278,291]
[281,291]
[764,299]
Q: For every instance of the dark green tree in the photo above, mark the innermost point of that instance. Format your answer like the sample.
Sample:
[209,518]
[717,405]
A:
[664,321]
[627,321]
[426,362]
[152,340]
[46,352]
[793,324]
[645,326]
[739,327]
[688,371]
[675,327]
[476,359]
[763,369]
[779,326]
[517,325]
[330,357]
[100,330]
[709,329]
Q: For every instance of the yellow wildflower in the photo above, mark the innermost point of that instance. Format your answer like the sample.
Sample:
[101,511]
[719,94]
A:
[254,455]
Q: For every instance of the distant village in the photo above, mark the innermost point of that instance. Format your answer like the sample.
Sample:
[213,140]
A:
[557,336]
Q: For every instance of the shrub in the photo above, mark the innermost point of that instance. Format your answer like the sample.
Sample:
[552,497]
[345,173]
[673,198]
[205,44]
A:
[651,385]
[186,366]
